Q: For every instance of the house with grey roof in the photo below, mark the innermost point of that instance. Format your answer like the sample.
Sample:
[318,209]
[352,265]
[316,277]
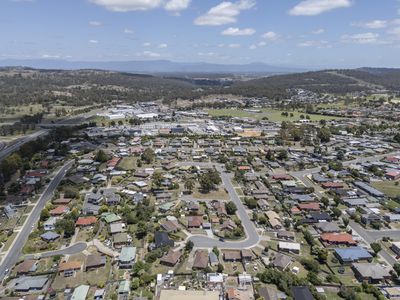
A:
[371,272]
[127,257]
[30,283]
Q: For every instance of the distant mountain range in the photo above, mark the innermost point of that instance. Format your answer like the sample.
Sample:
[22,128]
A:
[151,66]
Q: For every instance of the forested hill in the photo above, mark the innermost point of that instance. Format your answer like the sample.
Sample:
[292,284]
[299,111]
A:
[327,81]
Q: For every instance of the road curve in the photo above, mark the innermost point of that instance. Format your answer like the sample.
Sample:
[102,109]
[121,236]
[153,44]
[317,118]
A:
[252,237]
[73,249]
[11,257]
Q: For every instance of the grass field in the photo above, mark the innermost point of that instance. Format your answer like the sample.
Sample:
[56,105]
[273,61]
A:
[272,115]
[389,188]
[220,194]
[128,163]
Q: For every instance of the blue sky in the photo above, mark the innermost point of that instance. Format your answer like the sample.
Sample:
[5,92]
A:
[308,33]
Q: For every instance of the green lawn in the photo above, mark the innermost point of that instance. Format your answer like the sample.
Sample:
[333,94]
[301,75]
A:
[272,115]
[389,188]
[9,241]
[128,163]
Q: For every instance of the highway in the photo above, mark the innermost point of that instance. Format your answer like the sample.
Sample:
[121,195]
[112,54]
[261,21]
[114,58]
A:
[15,146]
[14,252]
[252,237]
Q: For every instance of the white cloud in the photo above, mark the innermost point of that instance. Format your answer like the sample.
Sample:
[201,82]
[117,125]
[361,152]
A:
[262,44]
[224,13]
[234,45]
[128,5]
[375,24]
[316,7]
[146,44]
[270,35]
[253,47]
[258,45]
[315,44]
[151,54]
[177,5]
[394,32]
[163,45]
[361,38]
[128,31]
[93,41]
[49,56]
[206,54]
[237,32]
[318,31]
[95,23]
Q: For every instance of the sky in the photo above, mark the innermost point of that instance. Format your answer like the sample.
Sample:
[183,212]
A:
[304,33]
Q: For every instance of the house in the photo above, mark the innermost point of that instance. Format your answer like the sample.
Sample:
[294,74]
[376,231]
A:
[124,289]
[50,236]
[120,240]
[327,227]
[171,258]
[99,294]
[281,261]
[112,199]
[27,266]
[127,257]
[28,284]
[69,268]
[332,185]
[85,221]
[80,292]
[338,239]
[94,198]
[228,225]
[232,255]
[368,189]
[370,272]
[268,293]
[352,254]
[110,218]
[50,224]
[94,261]
[194,221]
[311,206]
[200,259]
[289,247]
[117,228]
[396,247]
[302,293]
[59,210]
[170,226]
[274,219]
[391,218]
[285,235]
[162,239]
[245,279]
[247,255]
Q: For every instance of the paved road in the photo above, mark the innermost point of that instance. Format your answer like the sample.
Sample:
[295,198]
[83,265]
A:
[252,237]
[370,236]
[15,146]
[74,249]
[14,252]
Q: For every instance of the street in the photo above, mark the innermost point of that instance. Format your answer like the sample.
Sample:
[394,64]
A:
[14,252]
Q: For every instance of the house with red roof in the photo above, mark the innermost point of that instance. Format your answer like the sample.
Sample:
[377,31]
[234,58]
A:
[59,210]
[86,221]
[341,238]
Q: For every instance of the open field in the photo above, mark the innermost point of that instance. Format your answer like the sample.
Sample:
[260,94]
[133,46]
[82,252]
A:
[272,115]
[220,194]
[389,188]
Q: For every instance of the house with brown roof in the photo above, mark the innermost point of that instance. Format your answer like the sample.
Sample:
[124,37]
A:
[27,266]
[59,210]
[171,258]
[200,259]
[170,226]
[232,255]
[341,238]
[95,261]
[194,221]
[62,200]
[69,268]
[86,221]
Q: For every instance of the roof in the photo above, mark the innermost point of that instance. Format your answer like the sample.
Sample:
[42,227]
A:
[281,261]
[95,260]
[200,259]
[371,270]
[110,217]
[84,221]
[340,238]
[289,246]
[123,287]
[26,266]
[352,254]
[232,254]
[59,210]
[302,293]
[192,295]
[70,265]
[268,293]
[80,292]
[50,235]
[29,283]
[127,254]
[172,257]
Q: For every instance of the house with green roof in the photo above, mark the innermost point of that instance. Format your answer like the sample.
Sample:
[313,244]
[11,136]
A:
[80,293]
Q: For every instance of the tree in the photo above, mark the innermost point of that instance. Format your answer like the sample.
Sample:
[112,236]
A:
[189,246]
[67,226]
[220,268]
[141,230]
[336,212]
[231,208]
[376,247]
[396,267]
[101,156]
[325,201]
[44,214]
[324,134]
[189,184]
[216,251]
[148,156]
